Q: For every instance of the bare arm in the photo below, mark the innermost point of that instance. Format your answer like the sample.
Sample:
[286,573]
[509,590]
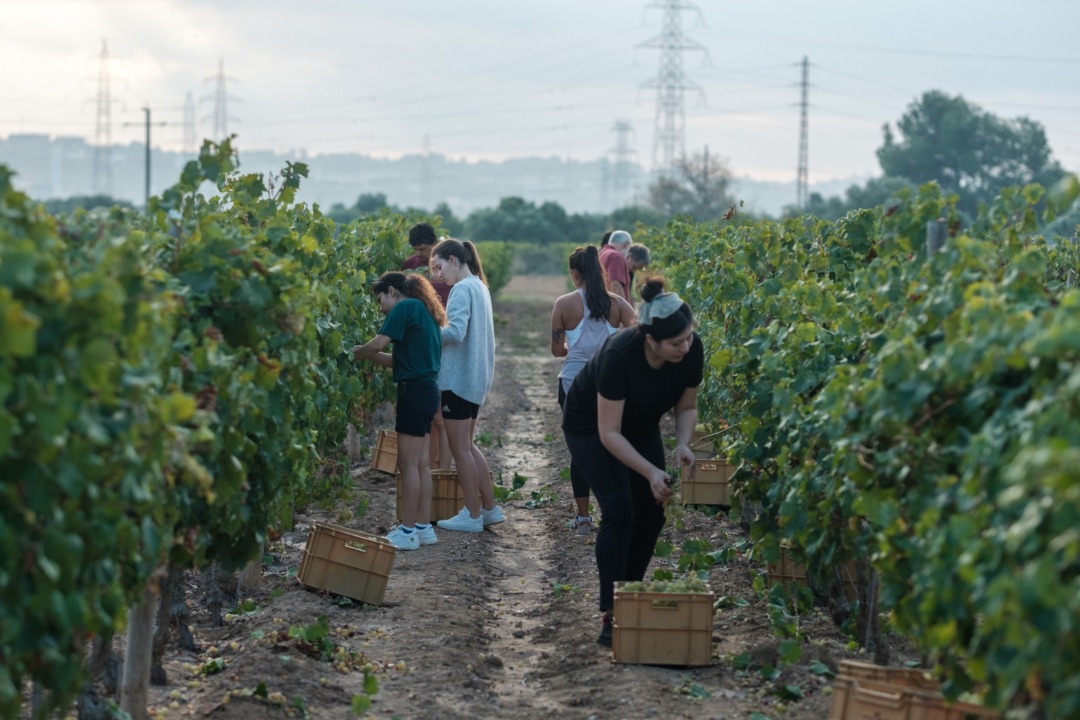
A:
[372,350]
[558,332]
[626,314]
[685,421]
[609,425]
[614,286]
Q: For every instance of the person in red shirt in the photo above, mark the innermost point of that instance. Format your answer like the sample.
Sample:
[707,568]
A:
[613,259]
[422,239]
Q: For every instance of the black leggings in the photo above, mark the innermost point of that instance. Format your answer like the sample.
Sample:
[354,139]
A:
[577,478]
[631,519]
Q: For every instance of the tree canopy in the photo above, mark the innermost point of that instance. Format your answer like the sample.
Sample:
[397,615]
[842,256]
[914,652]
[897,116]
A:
[967,150]
[696,186]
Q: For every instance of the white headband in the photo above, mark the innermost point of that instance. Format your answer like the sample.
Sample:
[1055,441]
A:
[660,307]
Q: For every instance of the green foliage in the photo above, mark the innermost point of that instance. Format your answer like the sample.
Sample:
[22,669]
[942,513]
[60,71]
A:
[171,383]
[920,416]
[498,258]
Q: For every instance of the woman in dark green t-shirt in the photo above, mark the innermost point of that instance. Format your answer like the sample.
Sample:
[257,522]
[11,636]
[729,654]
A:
[612,427]
[413,318]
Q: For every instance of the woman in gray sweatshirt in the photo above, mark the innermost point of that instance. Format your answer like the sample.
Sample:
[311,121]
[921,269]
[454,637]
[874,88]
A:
[468,368]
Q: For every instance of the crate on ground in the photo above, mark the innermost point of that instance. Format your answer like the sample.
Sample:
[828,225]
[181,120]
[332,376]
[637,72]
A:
[711,484]
[702,445]
[792,574]
[446,495]
[654,628]
[864,691]
[386,452]
[347,562]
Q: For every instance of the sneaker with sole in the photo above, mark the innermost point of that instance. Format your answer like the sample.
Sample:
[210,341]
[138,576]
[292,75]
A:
[605,631]
[427,535]
[403,540]
[583,526]
[463,522]
[494,516]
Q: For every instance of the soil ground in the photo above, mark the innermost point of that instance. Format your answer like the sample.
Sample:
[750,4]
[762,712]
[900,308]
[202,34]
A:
[500,624]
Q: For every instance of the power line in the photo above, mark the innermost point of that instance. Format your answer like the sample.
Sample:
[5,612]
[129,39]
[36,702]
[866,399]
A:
[221,99]
[669,138]
[802,175]
[103,128]
[190,133]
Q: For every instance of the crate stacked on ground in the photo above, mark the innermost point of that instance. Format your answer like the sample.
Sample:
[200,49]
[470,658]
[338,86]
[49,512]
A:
[711,484]
[652,627]
[386,452]
[790,573]
[446,495]
[347,562]
[865,691]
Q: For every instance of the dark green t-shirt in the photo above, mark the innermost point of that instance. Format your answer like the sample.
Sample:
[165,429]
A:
[417,342]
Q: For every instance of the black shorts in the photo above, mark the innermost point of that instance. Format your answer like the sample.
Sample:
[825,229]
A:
[458,408]
[417,403]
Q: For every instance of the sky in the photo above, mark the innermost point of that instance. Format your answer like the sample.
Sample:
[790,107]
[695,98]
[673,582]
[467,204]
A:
[524,78]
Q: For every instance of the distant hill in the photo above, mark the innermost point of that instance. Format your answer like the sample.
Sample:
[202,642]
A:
[64,166]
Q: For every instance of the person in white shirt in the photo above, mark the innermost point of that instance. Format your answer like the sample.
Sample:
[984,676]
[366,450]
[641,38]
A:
[581,322]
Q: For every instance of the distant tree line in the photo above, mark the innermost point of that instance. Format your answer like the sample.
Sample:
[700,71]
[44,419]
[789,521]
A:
[965,149]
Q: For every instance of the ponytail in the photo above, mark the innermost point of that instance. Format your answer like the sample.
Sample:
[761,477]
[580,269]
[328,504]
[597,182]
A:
[465,252]
[586,262]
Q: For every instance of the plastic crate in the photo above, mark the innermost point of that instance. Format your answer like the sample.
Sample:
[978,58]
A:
[446,495]
[711,484]
[347,562]
[905,677]
[652,628]
[791,574]
[701,444]
[855,699]
[386,452]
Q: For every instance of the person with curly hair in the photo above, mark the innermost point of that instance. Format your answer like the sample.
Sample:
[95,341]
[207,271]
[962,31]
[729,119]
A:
[413,318]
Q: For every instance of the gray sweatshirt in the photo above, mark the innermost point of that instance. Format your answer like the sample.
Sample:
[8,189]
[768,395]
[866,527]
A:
[468,357]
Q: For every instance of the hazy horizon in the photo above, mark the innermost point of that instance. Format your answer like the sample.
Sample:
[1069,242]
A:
[487,81]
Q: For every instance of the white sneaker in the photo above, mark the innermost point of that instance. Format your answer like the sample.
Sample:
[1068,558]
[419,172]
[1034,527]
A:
[464,522]
[402,540]
[494,516]
[427,535]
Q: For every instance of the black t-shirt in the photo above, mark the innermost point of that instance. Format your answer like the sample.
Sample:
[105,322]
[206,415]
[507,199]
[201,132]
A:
[619,371]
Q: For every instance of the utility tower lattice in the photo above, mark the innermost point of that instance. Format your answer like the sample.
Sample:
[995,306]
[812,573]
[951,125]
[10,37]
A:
[190,136]
[103,129]
[802,184]
[221,98]
[622,153]
[671,83]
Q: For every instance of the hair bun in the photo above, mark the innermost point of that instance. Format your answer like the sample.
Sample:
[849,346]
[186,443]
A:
[651,287]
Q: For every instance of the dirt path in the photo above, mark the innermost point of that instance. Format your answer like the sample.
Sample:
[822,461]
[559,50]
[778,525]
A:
[501,624]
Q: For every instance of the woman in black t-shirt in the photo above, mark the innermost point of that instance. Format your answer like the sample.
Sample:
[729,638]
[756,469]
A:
[612,427]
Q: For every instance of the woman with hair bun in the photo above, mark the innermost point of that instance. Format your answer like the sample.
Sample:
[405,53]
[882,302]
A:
[580,323]
[413,318]
[612,427]
[467,372]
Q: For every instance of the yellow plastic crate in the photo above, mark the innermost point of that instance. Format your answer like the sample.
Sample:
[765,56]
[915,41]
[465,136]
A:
[711,484]
[446,495]
[651,628]
[386,452]
[347,562]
